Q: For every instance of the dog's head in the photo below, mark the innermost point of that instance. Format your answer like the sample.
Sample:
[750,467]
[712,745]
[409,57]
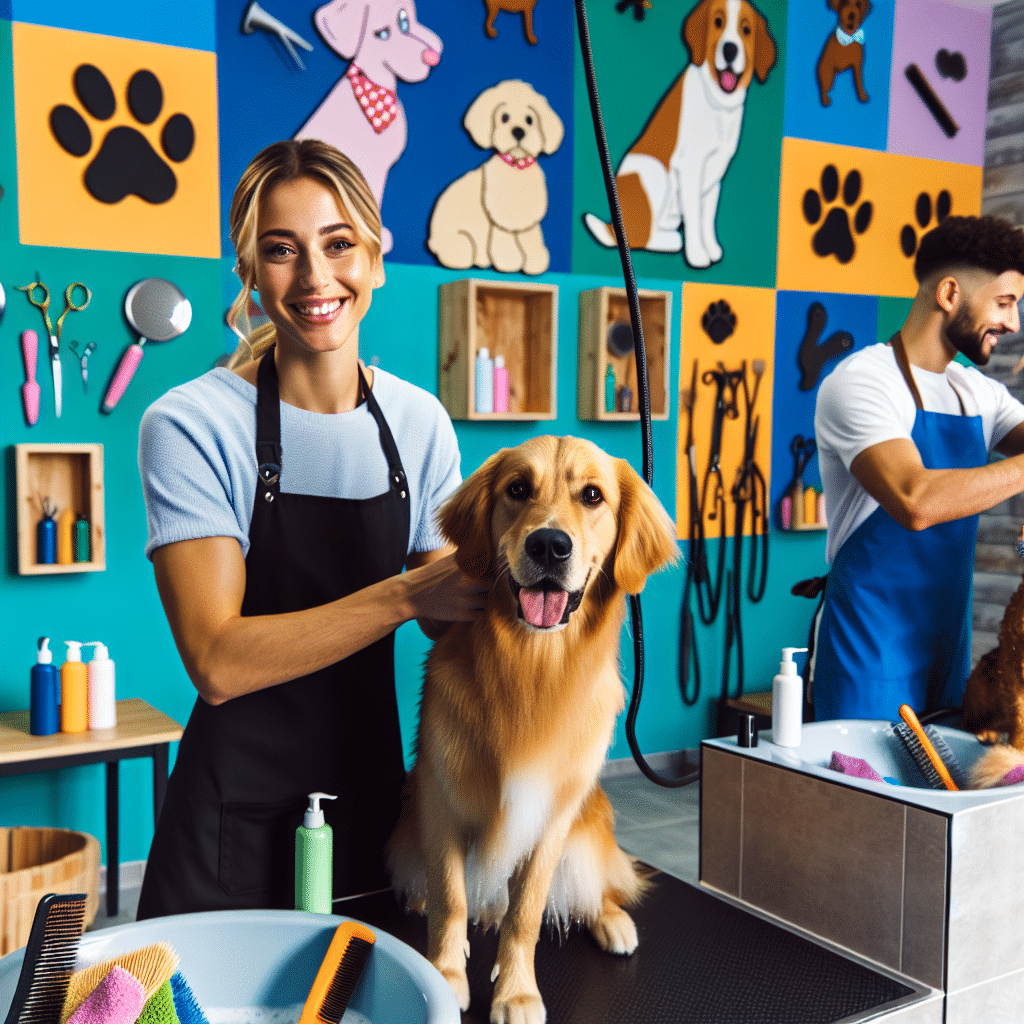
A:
[380,32]
[851,13]
[556,523]
[733,37]
[513,118]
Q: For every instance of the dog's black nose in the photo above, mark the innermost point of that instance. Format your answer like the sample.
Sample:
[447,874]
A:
[549,547]
[518,133]
[729,51]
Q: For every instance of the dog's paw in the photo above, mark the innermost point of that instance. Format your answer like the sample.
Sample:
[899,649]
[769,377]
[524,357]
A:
[615,932]
[834,237]
[923,216]
[521,1009]
[718,321]
[697,256]
[460,986]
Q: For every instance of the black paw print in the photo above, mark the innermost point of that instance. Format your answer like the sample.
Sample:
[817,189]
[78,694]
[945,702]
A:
[718,321]
[923,215]
[126,163]
[834,238]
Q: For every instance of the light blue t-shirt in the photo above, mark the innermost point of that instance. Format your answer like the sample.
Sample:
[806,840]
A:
[197,457]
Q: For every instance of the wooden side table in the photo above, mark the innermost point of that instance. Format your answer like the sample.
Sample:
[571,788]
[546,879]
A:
[141,731]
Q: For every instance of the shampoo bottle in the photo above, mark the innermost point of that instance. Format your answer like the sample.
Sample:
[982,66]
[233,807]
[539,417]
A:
[609,389]
[65,537]
[74,691]
[484,381]
[500,385]
[102,709]
[314,859]
[787,701]
[43,719]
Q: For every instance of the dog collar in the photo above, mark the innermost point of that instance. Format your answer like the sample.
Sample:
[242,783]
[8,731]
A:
[519,163]
[380,105]
[845,40]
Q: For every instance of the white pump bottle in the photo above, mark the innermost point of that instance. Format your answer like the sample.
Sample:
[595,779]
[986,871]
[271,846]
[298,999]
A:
[102,706]
[787,701]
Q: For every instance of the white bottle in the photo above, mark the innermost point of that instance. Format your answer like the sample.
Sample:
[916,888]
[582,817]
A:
[102,709]
[484,381]
[787,701]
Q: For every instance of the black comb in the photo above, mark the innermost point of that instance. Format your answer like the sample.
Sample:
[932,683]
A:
[49,960]
[339,974]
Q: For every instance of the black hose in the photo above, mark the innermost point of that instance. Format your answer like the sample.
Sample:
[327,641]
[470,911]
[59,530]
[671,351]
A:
[643,392]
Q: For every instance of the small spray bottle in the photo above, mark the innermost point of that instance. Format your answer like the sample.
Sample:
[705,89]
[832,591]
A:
[43,717]
[314,859]
[787,701]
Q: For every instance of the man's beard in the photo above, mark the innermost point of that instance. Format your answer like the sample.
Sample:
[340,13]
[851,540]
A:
[963,334]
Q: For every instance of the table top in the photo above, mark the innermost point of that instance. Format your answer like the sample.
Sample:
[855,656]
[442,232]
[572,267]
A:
[138,724]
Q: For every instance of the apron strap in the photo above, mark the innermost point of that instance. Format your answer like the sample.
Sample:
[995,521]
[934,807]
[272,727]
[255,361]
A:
[899,350]
[396,474]
[268,427]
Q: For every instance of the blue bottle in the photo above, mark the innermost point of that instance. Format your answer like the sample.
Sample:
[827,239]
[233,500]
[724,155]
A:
[43,719]
[46,540]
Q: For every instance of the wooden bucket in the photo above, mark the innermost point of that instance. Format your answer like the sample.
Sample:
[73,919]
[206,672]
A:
[36,861]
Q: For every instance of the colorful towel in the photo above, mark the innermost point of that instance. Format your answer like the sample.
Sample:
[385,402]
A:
[1013,776]
[160,1007]
[117,999]
[854,766]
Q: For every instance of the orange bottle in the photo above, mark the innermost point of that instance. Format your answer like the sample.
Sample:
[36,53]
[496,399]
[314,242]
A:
[65,529]
[74,691]
[810,506]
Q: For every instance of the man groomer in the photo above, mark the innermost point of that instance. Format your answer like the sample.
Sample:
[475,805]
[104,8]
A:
[904,434]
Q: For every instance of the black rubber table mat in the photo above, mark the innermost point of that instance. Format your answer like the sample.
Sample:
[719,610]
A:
[700,961]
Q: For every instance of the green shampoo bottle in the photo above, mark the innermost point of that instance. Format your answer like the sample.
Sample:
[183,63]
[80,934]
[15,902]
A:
[314,859]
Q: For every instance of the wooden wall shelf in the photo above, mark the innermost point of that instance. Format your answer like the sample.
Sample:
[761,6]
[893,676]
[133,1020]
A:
[71,476]
[600,308]
[514,319]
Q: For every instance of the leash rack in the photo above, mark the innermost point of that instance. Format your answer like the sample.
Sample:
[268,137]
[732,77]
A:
[748,489]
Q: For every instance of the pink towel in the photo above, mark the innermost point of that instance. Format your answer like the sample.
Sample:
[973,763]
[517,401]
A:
[854,766]
[1013,776]
[117,999]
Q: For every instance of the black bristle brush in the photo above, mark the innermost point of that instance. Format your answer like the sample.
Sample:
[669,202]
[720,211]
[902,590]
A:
[49,960]
[339,974]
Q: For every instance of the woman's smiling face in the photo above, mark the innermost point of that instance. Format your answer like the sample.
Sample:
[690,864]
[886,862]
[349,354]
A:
[315,275]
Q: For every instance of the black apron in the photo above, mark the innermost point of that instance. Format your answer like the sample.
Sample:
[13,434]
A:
[226,834]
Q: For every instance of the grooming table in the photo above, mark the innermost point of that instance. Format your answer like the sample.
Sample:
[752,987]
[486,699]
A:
[700,960]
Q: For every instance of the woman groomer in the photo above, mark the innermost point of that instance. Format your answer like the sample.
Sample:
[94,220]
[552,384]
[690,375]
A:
[284,495]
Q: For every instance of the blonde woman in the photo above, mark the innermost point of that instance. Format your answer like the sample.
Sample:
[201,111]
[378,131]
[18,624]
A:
[285,494]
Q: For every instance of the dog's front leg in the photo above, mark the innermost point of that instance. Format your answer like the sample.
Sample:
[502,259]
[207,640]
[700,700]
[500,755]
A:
[516,996]
[690,201]
[447,940]
[538,258]
[708,213]
[505,252]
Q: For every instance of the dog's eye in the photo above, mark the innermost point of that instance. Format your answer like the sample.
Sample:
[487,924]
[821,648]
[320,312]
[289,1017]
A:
[504,118]
[517,490]
[592,496]
[403,22]
[746,30]
[383,34]
[718,21]
[529,120]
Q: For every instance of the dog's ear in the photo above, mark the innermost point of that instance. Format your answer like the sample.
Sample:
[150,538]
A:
[764,48]
[342,25]
[552,131]
[695,32]
[868,7]
[479,119]
[834,5]
[647,535]
[465,520]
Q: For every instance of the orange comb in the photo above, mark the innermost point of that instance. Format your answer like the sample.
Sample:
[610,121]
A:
[908,716]
[339,973]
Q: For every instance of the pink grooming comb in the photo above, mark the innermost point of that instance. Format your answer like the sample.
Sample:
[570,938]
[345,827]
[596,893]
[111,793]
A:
[30,389]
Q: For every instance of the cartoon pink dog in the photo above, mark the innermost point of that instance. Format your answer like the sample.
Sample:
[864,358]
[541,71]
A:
[362,115]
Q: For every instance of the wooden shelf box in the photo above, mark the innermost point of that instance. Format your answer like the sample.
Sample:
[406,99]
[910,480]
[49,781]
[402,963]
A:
[517,320]
[600,308]
[71,476]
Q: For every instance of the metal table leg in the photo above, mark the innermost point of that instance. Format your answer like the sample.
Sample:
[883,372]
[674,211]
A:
[113,845]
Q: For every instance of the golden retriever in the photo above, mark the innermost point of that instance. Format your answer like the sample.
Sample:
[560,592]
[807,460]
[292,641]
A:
[503,817]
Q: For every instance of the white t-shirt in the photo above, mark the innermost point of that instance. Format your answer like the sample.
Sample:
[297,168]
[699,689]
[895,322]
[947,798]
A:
[865,401]
[197,457]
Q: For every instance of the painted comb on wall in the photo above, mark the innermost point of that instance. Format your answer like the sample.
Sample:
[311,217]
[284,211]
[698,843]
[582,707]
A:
[362,115]
[491,216]
[117,143]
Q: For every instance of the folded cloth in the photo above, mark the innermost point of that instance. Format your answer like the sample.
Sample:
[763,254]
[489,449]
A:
[854,766]
[117,999]
[160,1007]
[1013,776]
[185,1003]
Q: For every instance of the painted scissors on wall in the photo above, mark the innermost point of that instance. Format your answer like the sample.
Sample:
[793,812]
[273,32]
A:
[52,333]
[83,361]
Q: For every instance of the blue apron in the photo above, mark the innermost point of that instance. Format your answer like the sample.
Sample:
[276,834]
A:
[896,627]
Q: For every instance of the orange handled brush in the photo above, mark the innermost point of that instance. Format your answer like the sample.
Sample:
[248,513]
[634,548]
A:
[339,974]
[908,716]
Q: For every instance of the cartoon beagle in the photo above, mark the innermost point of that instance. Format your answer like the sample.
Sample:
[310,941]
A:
[671,176]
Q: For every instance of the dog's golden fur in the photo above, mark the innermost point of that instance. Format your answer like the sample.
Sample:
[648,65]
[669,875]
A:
[503,817]
[992,767]
[993,701]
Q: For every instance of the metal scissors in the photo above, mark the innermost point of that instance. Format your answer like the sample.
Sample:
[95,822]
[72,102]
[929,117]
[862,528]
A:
[52,334]
[83,361]
[803,451]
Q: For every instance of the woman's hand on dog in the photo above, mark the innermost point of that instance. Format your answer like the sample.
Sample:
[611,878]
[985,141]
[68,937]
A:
[440,593]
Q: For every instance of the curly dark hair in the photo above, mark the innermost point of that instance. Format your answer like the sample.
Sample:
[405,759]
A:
[988,243]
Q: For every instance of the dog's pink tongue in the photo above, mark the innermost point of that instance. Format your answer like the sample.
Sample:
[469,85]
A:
[728,80]
[543,608]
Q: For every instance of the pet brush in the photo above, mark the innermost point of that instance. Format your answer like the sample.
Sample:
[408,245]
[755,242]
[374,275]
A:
[923,753]
[151,965]
[338,975]
[49,959]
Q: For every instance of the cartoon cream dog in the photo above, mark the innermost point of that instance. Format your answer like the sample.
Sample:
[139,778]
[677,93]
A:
[671,176]
[491,215]
[362,114]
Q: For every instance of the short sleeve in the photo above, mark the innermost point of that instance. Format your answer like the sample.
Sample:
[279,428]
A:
[1009,413]
[441,479]
[185,479]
